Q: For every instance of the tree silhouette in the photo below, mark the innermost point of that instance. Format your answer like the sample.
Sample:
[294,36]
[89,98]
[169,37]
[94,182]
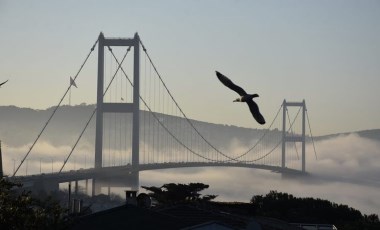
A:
[19,210]
[309,210]
[175,193]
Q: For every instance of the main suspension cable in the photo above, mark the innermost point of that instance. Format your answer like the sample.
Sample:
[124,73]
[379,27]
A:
[155,116]
[311,135]
[55,109]
[93,113]
[261,138]
[250,161]
[184,115]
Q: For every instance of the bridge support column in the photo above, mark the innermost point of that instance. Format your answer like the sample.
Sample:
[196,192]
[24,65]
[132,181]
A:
[69,201]
[99,114]
[283,134]
[86,187]
[303,137]
[76,188]
[99,104]
[136,109]
[291,138]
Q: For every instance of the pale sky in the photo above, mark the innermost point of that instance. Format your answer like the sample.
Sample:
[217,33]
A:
[326,52]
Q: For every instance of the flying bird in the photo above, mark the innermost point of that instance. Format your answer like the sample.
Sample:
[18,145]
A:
[3,83]
[244,97]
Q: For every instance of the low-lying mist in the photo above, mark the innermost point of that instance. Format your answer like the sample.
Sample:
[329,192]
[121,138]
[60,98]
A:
[346,171]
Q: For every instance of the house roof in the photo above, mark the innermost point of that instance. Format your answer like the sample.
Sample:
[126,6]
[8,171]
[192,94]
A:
[127,217]
[181,216]
[173,217]
[193,215]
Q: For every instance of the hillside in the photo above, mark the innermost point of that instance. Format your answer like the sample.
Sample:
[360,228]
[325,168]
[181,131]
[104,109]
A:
[373,134]
[20,126]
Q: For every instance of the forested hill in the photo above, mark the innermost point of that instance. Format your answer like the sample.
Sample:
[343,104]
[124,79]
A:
[287,207]
[20,126]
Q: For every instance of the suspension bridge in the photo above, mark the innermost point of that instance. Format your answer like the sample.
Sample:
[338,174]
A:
[139,119]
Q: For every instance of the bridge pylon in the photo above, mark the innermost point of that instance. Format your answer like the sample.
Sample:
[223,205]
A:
[102,107]
[286,137]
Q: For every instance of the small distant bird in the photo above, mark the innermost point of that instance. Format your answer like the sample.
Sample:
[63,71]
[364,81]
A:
[244,97]
[3,83]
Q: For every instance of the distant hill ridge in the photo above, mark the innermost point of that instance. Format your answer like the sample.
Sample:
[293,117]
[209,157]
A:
[373,134]
[20,126]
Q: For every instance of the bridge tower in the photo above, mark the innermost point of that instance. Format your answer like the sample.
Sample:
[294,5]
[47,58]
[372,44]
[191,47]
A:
[102,107]
[286,137]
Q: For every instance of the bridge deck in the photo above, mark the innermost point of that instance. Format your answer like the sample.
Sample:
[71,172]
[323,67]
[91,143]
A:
[124,171]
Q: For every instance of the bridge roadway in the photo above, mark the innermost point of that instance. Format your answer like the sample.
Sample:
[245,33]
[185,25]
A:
[117,175]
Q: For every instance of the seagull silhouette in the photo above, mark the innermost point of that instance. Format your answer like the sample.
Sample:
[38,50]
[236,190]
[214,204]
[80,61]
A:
[244,97]
[3,83]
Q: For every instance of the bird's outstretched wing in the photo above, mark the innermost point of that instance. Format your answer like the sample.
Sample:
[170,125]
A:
[256,112]
[3,83]
[227,82]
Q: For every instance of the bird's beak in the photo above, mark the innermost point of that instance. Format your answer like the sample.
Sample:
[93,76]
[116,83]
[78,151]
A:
[235,100]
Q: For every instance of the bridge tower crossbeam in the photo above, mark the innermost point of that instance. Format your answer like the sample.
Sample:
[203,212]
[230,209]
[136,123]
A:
[293,138]
[102,107]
